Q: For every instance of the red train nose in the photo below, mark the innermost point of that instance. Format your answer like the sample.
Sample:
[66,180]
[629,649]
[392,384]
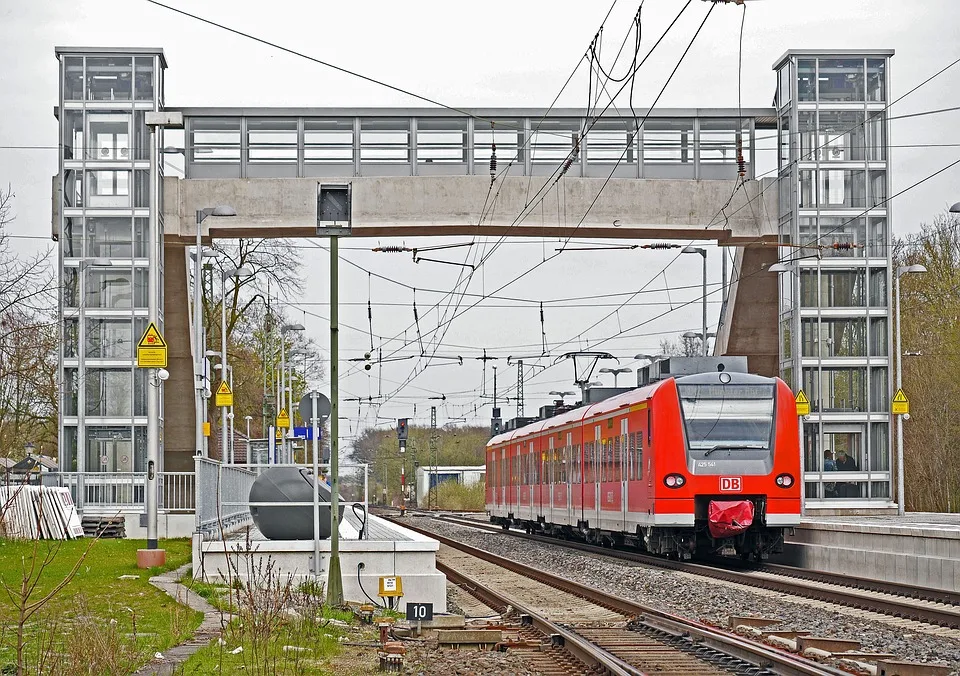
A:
[727,518]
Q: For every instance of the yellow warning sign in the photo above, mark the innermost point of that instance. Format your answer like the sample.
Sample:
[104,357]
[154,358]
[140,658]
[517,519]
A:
[900,405]
[390,586]
[152,349]
[206,429]
[283,420]
[224,396]
[803,404]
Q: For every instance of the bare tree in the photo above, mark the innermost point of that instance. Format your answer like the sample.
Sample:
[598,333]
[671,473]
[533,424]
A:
[930,319]
[29,337]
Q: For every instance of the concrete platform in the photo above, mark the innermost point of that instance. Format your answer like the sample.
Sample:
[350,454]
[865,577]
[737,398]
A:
[388,550]
[921,548]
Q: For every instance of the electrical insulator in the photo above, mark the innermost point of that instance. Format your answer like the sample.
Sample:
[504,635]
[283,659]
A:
[659,245]
[493,162]
[391,249]
[843,246]
[741,163]
[571,158]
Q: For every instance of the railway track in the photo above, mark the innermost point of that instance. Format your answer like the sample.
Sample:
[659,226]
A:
[607,633]
[931,606]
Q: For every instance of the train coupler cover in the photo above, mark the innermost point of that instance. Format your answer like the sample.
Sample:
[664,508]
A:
[727,518]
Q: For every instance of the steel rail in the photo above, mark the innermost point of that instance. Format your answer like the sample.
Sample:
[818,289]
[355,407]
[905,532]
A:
[590,654]
[782,663]
[856,592]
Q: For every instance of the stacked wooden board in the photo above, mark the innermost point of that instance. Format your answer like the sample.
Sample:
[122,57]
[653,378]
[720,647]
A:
[104,527]
[38,512]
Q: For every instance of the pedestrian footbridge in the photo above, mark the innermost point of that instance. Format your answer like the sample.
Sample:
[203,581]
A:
[666,174]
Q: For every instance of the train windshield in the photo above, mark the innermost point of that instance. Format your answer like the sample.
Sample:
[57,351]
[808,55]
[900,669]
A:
[727,417]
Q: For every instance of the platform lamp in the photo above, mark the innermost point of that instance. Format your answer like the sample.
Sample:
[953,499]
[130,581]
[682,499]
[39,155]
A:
[284,330]
[202,215]
[901,271]
[704,338]
[232,273]
[616,372]
[702,252]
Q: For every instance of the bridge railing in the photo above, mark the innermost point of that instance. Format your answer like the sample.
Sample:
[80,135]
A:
[112,491]
[277,142]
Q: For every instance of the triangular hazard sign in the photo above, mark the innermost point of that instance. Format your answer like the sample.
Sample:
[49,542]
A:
[802,398]
[900,397]
[224,388]
[151,337]
[283,415]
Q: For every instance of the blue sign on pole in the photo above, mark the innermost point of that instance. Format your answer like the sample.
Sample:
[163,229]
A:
[305,433]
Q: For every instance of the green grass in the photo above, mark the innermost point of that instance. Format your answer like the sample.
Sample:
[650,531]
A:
[454,496]
[97,623]
[263,651]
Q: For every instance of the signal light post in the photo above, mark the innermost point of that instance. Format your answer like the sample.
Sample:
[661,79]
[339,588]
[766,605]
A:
[402,439]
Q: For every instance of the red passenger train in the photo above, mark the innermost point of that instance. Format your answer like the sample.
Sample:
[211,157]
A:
[693,465]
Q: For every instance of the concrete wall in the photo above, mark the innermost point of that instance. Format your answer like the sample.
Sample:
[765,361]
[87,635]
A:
[750,321]
[179,413]
[904,553]
[452,205]
[414,560]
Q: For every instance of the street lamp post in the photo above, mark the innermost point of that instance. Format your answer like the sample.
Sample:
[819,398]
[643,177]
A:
[702,252]
[238,273]
[616,372]
[902,270]
[202,214]
[282,403]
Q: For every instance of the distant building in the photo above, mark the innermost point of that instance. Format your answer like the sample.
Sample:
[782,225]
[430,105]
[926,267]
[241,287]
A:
[428,477]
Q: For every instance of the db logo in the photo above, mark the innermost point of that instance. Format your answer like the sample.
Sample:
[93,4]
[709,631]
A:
[731,484]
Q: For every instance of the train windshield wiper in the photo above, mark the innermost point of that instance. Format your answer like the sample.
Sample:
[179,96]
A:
[732,447]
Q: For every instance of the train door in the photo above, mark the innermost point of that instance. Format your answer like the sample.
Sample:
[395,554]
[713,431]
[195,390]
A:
[625,462]
[568,459]
[597,471]
[550,475]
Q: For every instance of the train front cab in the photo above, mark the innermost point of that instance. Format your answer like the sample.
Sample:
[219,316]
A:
[727,461]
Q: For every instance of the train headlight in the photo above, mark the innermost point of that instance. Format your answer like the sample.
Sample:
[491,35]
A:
[674,480]
[784,480]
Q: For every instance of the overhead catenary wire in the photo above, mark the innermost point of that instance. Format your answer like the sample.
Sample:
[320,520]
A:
[669,79]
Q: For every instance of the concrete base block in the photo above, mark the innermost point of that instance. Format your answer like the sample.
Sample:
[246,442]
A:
[897,668]
[151,558]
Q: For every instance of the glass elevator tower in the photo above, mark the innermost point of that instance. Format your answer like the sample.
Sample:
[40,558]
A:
[835,309]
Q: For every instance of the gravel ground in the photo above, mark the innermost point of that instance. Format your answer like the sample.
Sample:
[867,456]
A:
[707,600]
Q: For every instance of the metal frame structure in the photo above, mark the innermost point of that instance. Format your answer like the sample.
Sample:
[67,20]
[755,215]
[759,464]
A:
[835,236]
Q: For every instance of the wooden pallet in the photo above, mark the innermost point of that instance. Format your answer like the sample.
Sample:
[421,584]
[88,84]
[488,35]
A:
[104,527]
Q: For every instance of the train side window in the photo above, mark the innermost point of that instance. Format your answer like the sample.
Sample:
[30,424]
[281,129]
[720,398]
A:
[649,426]
[639,451]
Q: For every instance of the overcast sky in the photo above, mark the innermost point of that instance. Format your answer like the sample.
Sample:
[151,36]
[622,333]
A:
[493,54]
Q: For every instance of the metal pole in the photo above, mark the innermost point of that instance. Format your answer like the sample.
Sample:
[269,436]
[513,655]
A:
[153,382]
[316,483]
[282,403]
[198,336]
[223,365]
[901,503]
[232,422]
[705,339]
[334,579]
[290,413]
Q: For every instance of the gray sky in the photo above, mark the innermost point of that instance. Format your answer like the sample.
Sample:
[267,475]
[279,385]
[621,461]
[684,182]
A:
[494,54]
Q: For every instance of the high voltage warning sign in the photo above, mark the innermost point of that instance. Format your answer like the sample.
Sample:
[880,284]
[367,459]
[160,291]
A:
[283,420]
[900,404]
[224,396]
[152,349]
[803,404]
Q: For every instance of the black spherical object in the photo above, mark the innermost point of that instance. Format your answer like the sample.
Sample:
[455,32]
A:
[289,484]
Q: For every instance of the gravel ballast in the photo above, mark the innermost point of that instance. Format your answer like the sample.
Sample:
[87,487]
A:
[709,600]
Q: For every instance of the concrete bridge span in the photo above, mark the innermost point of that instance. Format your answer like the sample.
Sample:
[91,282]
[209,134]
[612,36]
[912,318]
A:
[405,206]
